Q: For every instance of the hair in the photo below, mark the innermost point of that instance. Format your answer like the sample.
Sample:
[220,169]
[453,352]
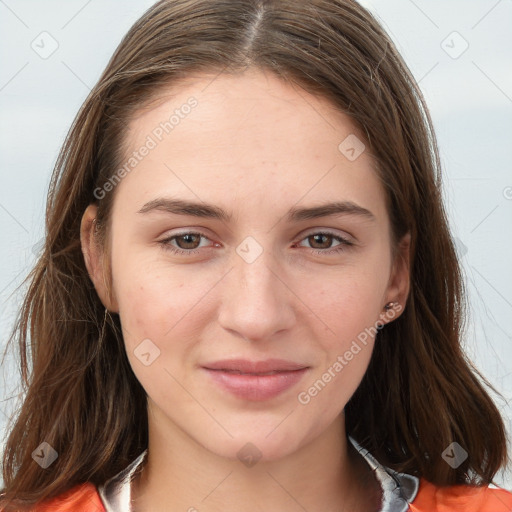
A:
[81,395]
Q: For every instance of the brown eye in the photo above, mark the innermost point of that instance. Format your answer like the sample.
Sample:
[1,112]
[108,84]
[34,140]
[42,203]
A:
[183,243]
[321,243]
[324,240]
[188,240]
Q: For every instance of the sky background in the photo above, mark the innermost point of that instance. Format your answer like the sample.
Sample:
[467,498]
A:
[52,53]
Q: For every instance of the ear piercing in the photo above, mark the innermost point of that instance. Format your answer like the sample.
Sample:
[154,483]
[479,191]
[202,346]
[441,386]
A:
[387,307]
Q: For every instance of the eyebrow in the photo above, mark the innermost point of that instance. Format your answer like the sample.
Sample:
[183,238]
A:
[205,210]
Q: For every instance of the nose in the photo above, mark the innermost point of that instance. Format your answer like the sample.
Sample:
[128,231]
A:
[256,300]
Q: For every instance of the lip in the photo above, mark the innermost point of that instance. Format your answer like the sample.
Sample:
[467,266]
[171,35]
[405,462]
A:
[255,380]
[247,366]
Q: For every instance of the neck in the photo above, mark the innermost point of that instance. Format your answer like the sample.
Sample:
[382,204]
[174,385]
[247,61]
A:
[180,475]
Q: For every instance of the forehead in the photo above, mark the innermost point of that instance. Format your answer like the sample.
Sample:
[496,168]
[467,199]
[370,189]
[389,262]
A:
[217,137]
[245,102]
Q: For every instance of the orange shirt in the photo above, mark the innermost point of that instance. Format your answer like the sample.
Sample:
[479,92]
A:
[461,498]
[81,498]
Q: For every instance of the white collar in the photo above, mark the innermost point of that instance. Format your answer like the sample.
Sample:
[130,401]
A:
[398,489]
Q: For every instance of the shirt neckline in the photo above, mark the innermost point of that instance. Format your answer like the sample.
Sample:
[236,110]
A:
[398,489]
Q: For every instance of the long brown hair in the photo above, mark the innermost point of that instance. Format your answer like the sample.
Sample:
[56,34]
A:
[419,394]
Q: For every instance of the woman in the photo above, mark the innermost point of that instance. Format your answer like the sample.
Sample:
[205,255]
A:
[249,297]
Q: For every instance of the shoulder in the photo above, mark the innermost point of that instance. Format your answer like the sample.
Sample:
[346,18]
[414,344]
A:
[83,497]
[460,498]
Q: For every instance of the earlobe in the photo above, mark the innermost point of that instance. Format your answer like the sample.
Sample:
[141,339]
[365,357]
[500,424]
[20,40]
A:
[94,258]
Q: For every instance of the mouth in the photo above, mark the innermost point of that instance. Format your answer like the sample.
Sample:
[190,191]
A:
[255,380]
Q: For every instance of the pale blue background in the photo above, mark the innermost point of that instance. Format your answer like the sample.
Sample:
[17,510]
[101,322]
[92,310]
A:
[470,99]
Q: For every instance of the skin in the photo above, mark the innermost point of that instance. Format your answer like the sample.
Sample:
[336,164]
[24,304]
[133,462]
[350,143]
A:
[256,147]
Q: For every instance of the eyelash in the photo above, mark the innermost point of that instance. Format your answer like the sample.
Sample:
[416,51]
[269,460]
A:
[344,243]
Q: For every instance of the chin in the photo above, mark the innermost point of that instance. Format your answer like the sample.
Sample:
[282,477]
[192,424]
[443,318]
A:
[253,445]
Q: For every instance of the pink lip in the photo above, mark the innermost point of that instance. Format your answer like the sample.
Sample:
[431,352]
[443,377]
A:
[251,380]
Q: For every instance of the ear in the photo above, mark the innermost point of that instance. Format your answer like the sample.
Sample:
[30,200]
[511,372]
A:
[399,281]
[96,259]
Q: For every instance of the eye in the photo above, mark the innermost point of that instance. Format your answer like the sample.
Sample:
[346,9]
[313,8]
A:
[187,243]
[324,240]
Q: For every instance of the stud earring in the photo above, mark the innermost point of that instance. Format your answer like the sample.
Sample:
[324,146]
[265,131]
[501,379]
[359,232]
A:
[390,305]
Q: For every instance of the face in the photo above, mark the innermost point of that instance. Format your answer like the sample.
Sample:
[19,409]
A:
[257,270]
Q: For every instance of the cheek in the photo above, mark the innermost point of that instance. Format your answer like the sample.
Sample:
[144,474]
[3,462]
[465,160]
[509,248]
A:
[165,306]
[346,359]
[344,303]
[347,308]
